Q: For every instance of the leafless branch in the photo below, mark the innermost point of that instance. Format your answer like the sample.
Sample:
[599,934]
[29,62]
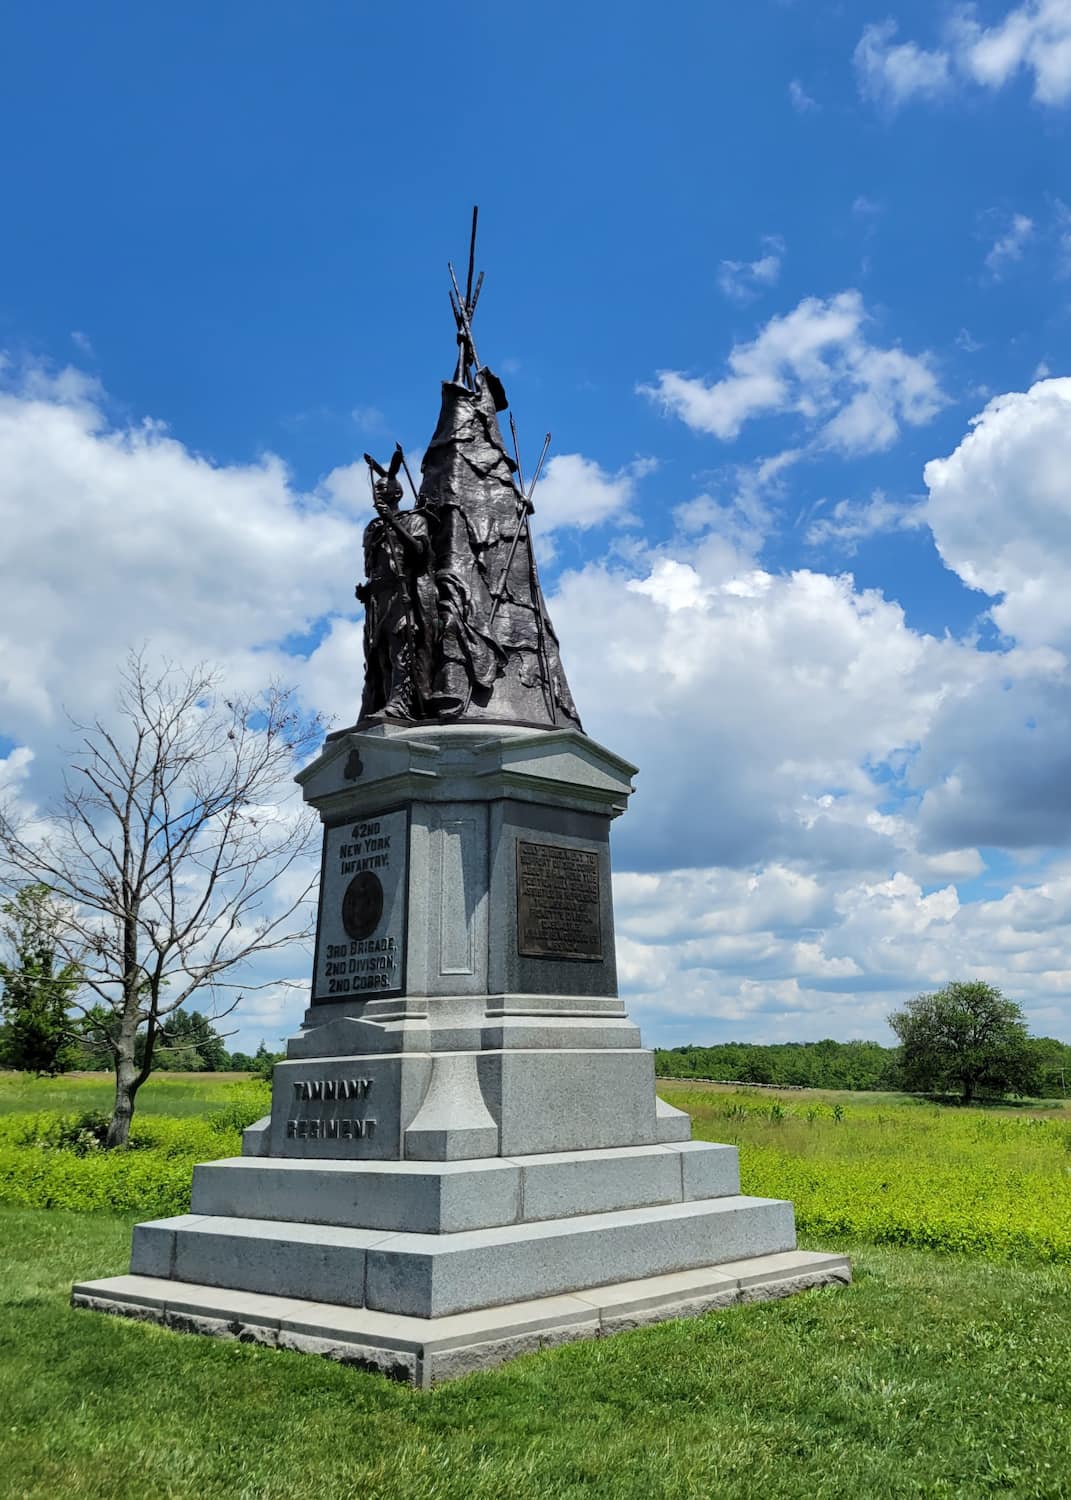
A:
[174,829]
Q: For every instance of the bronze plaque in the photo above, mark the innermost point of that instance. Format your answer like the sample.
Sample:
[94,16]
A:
[558,913]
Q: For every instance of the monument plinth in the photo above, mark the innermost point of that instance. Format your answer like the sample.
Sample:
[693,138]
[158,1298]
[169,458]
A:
[466,1157]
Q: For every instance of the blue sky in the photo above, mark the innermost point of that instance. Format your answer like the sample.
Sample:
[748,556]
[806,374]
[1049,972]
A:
[791,285]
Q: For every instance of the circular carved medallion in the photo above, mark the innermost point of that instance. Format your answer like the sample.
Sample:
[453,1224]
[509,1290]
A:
[362,905]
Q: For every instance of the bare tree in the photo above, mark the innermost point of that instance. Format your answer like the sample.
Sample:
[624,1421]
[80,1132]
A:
[175,855]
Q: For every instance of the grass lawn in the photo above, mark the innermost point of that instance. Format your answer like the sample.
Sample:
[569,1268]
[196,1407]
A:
[931,1376]
[935,1374]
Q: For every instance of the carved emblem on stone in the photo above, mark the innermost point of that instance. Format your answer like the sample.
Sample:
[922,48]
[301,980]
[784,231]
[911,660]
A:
[362,905]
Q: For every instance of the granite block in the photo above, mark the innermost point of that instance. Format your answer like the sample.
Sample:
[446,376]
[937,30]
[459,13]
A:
[763,1276]
[659,1291]
[453,1122]
[316,1261]
[708,1170]
[152,1252]
[144,1290]
[256,1138]
[450,1364]
[632,1304]
[346,1108]
[432,1198]
[569,1101]
[543,1032]
[565,1184]
[447,1197]
[391,1363]
[671,1124]
[425,1276]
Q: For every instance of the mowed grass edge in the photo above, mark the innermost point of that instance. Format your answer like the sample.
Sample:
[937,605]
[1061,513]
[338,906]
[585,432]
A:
[930,1376]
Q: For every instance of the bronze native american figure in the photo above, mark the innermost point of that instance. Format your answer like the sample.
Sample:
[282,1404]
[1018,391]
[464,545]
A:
[399,601]
[456,627]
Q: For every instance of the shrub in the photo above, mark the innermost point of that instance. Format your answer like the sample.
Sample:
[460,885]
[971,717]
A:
[909,1174]
[52,1160]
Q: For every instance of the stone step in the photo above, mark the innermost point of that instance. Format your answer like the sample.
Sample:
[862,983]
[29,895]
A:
[424,1351]
[452,1196]
[430,1276]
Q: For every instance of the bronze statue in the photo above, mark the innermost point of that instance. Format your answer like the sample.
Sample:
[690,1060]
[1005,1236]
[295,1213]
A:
[456,627]
[399,602]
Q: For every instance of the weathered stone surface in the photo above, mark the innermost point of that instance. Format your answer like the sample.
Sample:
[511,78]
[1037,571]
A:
[671,1124]
[661,1291]
[763,1277]
[447,1197]
[256,1138]
[389,1362]
[569,1101]
[564,1184]
[139,1311]
[453,1122]
[432,1198]
[294,1260]
[449,1364]
[568,1032]
[153,1249]
[449,903]
[425,1351]
[708,1170]
[429,1276]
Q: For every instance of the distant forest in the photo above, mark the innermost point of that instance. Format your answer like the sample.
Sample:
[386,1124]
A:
[829,1064]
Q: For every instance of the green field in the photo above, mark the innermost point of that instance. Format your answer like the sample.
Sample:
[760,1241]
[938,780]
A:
[179,1094]
[895,1170]
[935,1374]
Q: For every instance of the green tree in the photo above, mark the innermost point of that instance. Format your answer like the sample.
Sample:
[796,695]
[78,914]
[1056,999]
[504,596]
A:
[187,1042]
[37,986]
[1053,1062]
[264,1061]
[966,1036]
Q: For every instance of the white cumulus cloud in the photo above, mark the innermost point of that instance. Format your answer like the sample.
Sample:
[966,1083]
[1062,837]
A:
[1000,513]
[575,491]
[1034,38]
[817,363]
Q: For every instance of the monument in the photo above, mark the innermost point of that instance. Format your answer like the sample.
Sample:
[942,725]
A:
[466,1158]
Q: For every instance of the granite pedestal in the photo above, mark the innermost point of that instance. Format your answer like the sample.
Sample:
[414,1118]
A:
[465,1156]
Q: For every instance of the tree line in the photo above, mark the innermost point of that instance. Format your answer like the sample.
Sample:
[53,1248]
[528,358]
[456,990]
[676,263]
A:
[965,1039]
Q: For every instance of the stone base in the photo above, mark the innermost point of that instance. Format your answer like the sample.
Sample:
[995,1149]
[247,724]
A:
[425,1351]
[434,1275]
